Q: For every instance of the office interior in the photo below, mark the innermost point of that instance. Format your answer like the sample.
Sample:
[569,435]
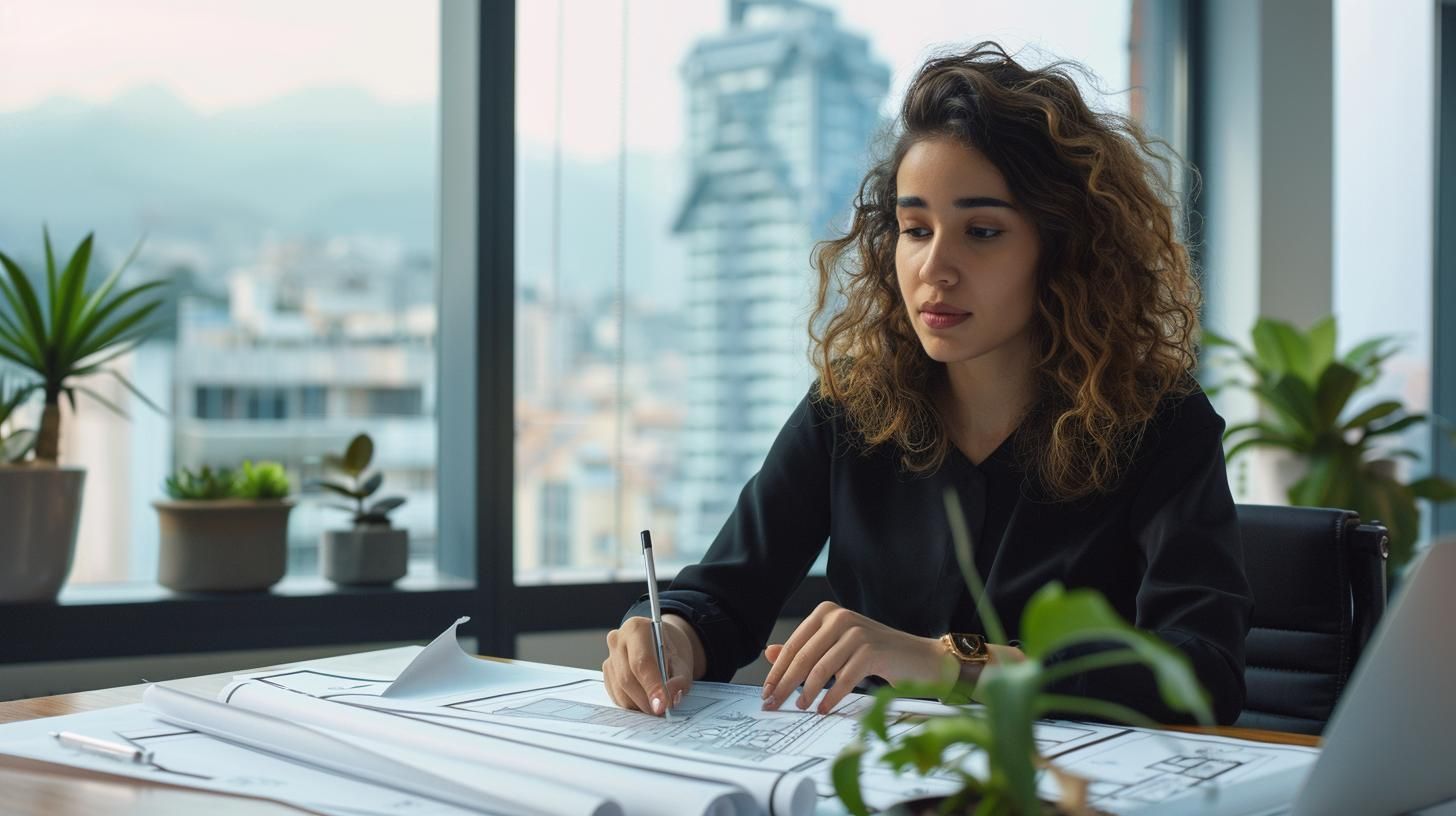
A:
[479,233]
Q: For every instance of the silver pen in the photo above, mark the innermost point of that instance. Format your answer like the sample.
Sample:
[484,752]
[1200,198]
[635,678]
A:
[115,750]
[656,620]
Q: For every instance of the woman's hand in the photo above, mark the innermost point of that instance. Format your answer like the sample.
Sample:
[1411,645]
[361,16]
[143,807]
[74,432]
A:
[630,670]
[835,642]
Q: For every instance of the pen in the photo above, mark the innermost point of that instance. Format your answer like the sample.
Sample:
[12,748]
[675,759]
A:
[656,619]
[115,750]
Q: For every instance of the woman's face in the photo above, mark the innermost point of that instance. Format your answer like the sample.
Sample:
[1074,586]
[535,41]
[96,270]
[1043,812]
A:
[966,256]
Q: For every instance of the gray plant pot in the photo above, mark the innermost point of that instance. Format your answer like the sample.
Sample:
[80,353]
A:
[365,556]
[231,545]
[40,512]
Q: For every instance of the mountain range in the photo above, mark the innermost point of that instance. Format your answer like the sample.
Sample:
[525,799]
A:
[314,163]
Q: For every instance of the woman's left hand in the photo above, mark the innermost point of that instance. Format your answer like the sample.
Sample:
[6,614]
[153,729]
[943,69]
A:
[835,642]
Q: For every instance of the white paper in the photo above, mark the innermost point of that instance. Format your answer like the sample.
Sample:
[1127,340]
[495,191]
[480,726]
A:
[195,760]
[1141,770]
[659,779]
[486,788]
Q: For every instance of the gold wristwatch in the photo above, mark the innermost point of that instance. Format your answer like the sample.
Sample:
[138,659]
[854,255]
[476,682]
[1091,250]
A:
[966,647]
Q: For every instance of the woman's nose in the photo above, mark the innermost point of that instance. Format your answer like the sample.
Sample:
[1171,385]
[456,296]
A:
[940,268]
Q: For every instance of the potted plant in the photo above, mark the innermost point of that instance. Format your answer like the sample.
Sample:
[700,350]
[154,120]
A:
[1348,457]
[70,334]
[224,530]
[372,552]
[1012,697]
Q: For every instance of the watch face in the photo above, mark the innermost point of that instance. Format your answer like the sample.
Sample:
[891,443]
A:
[967,645]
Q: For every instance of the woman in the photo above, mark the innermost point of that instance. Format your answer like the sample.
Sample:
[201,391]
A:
[1017,323]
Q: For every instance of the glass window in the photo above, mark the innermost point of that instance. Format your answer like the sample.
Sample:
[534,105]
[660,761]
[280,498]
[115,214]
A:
[671,182]
[280,161]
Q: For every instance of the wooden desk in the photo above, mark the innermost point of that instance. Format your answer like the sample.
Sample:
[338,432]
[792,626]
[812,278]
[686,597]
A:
[38,788]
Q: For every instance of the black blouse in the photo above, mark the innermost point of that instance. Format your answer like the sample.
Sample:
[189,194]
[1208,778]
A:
[1163,547]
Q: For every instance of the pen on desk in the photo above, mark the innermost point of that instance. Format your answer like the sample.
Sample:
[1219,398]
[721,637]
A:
[656,620]
[116,750]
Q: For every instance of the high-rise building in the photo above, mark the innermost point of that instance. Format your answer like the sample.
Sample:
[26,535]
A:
[782,108]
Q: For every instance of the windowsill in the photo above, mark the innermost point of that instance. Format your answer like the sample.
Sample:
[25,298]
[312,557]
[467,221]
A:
[289,587]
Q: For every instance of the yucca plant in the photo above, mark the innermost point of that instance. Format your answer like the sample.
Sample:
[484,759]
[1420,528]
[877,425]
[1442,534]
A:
[73,333]
[1014,696]
[15,443]
[1349,454]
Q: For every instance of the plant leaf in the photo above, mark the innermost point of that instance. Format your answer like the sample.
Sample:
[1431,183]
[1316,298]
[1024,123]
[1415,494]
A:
[136,392]
[99,295]
[845,773]
[371,484]
[1380,410]
[383,506]
[341,490]
[1396,426]
[84,343]
[1264,442]
[1434,488]
[1321,338]
[1056,618]
[15,446]
[1336,384]
[961,539]
[28,307]
[359,454]
[93,394]
[66,302]
[1009,691]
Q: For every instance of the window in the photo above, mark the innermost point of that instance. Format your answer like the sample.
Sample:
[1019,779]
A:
[281,161]
[675,165]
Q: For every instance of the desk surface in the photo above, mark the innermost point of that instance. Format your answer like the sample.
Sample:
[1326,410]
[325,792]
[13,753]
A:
[38,788]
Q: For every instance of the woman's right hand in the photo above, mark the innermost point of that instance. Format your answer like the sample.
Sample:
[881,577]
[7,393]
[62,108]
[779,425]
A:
[630,670]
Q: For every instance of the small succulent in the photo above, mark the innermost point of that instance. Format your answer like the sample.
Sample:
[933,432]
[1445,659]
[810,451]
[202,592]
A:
[265,480]
[204,485]
[16,443]
[359,488]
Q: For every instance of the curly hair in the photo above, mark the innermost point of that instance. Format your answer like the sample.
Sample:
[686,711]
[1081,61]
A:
[1116,317]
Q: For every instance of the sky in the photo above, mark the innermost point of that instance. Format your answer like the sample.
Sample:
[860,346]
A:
[222,54]
[216,54]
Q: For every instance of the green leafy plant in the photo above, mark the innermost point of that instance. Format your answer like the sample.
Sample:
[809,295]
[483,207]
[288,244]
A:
[1349,454]
[359,487]
[74,333]
[1013,696]
[203,485]
[266,480]
[15,443]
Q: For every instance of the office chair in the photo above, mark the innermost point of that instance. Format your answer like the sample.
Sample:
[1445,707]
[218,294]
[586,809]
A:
[1318,578]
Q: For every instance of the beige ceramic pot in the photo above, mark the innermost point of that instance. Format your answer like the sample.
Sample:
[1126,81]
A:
[40,512]
[229,545]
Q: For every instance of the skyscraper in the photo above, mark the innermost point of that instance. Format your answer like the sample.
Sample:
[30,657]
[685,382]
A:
[781,111]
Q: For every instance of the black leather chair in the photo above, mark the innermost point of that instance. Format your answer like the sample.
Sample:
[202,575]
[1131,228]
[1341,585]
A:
[1318,578]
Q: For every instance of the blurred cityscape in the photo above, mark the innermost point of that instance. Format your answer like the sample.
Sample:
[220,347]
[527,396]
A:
[300,238]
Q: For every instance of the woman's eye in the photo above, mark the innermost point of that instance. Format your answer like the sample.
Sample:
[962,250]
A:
[916,232]
[983,233]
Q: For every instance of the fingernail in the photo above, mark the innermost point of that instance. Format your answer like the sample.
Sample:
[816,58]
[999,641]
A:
[823,708]
[767,690]
[677,698]
[769,704]
[803,702]
[656,705]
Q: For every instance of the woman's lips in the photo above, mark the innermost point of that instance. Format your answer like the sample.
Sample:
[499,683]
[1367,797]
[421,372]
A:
[943,320]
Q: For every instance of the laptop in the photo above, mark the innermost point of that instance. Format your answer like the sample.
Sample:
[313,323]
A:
[1390,745]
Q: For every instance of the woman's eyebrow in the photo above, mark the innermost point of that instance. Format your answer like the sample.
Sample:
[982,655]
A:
[908,202]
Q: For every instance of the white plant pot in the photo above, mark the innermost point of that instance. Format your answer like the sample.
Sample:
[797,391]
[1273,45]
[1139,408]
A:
[365,556]
[40,512]
[228,545]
